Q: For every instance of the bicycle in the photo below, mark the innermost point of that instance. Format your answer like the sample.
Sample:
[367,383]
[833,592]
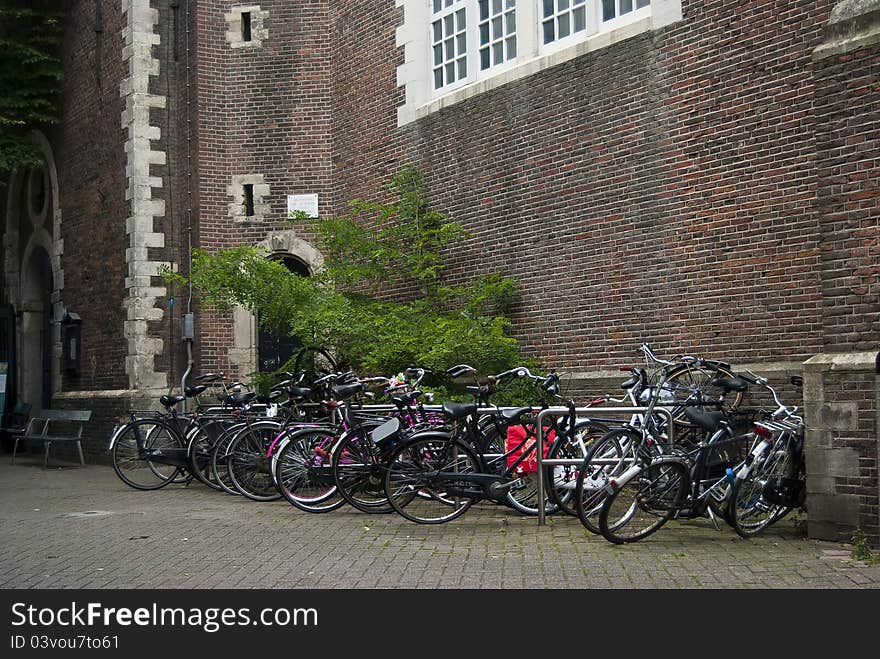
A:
[646,435]
[434,476]
[772,482]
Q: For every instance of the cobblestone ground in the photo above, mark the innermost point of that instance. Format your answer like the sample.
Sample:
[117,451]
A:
[83,528]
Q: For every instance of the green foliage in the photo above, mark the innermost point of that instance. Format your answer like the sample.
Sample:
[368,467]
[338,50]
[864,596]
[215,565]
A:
[861,549]
[30,75]
[376,248]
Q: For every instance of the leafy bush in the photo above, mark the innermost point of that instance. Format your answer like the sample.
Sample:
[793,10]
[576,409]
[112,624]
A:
[347,307]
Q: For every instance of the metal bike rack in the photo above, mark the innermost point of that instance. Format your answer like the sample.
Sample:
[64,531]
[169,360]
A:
[564,411]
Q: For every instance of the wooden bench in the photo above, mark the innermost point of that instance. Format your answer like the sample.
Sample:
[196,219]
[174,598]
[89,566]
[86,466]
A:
[55,427]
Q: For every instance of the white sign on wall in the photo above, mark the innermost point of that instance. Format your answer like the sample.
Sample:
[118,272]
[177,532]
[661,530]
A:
[307,203]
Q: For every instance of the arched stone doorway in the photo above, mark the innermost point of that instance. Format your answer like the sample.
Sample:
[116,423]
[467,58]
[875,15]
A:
[272,350]
[250,344]
[36,340]
[33,279]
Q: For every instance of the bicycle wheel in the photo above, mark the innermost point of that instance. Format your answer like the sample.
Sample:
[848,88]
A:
[562,479]
[220,458]
[609,456]
[136,444]
[359,472]
[304,472]
[687,383]
[199,448]
[415,488]
[645,502]
[248,464]
[312,362]
[749,512]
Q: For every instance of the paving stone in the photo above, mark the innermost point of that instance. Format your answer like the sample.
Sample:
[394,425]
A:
[194,537]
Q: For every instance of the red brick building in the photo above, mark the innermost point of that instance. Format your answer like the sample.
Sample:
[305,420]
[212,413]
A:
[700,174]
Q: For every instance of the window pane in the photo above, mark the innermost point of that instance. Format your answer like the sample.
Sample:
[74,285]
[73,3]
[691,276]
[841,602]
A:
[511,47]
[548,8]
[484,34]
[438,5]
[580,2]
[438,31]
[608,10]
[450,72]
[484,9]
[462,68]
[497,53]
[642,3]
[511,4]
[563,4]
[484,58]
[549,32]
[447,24]
[564,27]
[438,54]
[496,7]
[438,78]
[459,19]
[510,17]
[580,19]
[462,46]
[625,6]
[497,31]
[450,48]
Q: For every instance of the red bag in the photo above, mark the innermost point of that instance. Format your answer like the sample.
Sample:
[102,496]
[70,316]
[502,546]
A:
[515,436]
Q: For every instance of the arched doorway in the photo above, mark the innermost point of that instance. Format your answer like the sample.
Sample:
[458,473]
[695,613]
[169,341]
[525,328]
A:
[273,351]
[37,285]
[32,277]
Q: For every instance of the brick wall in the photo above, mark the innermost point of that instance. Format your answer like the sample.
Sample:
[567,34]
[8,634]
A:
[660,189]
[265,111]
[91,169]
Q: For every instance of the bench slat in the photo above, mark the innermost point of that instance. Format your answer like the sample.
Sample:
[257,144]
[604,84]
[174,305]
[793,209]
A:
[66,415]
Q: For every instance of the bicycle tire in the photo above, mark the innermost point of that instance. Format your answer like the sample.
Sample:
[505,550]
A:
[199,449]
[313,362]
[304,472]
[128,461]
[645,502]
[248,464]
[219,458]
[411,484]
[748,511]
[685,380]
[562,479]
[609,456]
[359,472]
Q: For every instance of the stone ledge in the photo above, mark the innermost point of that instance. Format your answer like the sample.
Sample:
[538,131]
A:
[842,361]
[853,24]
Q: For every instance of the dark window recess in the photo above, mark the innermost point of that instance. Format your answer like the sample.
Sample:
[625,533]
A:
[248,199]
[276,350]
[245,26]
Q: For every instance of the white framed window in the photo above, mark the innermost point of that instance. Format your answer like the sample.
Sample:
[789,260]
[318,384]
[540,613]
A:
[454,49]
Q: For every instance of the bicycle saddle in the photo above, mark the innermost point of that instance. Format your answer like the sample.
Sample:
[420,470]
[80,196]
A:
[406,400]
[171,401]
[237,400]
[459,410]
[300,392]
[710,421]
[516,413]
[192,392]
[730,384]
[346,390]
[272,395]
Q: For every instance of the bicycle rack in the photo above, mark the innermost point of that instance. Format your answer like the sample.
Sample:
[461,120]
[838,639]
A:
[564,411]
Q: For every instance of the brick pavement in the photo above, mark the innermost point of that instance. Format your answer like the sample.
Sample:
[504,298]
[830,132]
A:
[83,528]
